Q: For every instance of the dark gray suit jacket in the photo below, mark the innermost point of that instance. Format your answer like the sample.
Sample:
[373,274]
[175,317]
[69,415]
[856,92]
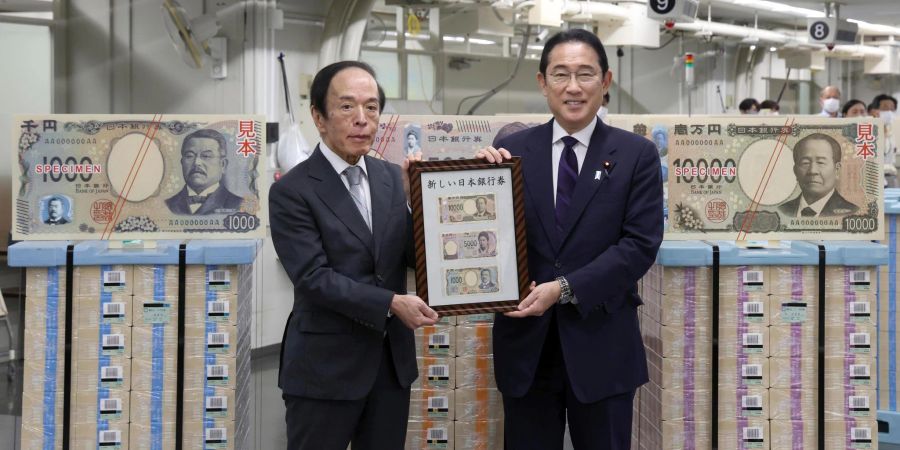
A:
[344,279]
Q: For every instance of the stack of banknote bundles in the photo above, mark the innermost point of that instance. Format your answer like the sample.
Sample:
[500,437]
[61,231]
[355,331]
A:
[888,312]
[455,401]
[674,407]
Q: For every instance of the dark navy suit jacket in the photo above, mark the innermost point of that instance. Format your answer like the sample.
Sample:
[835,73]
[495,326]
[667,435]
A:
[344,279]
[611,235]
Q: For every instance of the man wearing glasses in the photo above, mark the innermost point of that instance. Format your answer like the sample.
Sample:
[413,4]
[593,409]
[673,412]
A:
[203,161]
[593,202]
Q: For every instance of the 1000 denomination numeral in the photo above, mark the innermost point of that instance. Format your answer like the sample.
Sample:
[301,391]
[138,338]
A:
[714,170]
[71,168]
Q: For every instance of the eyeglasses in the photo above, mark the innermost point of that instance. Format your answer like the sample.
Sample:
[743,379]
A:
[582,78]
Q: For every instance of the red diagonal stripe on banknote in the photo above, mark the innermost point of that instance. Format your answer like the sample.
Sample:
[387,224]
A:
[764,182]
[132,175]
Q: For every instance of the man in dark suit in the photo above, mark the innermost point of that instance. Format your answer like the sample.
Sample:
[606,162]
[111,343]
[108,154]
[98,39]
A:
[594,212]
[342,229]
[817,166]
[203,160]
[56,212]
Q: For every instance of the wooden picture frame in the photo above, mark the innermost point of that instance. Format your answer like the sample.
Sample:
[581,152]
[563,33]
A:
[470,236]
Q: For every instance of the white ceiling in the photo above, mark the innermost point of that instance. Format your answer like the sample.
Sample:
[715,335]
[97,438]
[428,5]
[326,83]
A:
[884,12]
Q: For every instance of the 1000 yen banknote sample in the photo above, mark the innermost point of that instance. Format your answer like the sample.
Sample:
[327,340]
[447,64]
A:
[475,280]
[138,177]
[471,244]
[775,179]
[467,208]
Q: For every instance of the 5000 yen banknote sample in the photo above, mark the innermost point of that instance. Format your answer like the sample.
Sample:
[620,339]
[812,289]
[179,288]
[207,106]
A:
[471,244]
[467,208]
[138,177]
[773,179]
[475,280]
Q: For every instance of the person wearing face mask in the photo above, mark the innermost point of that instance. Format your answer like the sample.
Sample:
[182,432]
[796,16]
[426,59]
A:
[886,106]
[603,111]
[830,99]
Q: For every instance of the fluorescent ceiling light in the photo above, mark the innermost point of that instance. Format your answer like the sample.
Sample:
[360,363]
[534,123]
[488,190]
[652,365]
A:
[471,40]
[766,5]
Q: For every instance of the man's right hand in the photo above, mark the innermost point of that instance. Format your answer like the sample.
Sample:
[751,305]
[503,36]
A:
[493,155]
[413,311]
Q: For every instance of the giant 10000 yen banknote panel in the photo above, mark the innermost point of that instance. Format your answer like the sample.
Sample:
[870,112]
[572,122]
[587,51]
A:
[776,178]
[138,177]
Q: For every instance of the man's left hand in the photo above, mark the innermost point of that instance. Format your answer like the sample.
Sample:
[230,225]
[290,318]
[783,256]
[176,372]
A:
[538,301]
[404,167]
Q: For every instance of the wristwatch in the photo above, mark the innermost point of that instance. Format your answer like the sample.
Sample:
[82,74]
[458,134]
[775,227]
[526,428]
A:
[565,291]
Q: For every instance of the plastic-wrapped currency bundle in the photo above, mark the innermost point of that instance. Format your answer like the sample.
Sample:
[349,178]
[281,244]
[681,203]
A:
[435,373]
[793,434]
[745,371]
[791,372]
[474,340]
[113,280]
[214,280]
[479,435]
[787,310]
[213,370]
[155,280]
[147,437]
[478,404]
[472,319]
[669,373]
[676,435]
[430,434]
[155,310]
[42,418]
[438,340]
[218,434]
[106,372]
[91,436]
[861,309]
[850,339]
[475,372]
[858,374]
[214,338]
[159,341]
[209,404]
[744,434]
[856,280]
[738,403]
[103,340]
[101,310]
[754,310]
[743,281]
[677,404]
[156,408]
[749,339]
[851,434]
[677,342]
[432,404]
[794,281]
[849,403]
[793,341]
[682,295]
[793,404]
[219,309]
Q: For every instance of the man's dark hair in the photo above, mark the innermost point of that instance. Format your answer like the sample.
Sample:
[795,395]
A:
[880,97]
[486,270]
[851,103]
[835,147]
[872,108]
[769,104]
[207,134]
[747,104]
[485,234]
[574,35]
[319,89]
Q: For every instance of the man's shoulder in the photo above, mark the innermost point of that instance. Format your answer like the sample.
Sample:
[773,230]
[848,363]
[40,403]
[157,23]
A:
[790,207]
[838,205]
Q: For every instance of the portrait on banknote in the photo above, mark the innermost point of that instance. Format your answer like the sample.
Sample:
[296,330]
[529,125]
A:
[775,179]
[138,177]
[469,229]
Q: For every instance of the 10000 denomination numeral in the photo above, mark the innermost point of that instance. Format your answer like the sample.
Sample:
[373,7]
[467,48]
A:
[715,170]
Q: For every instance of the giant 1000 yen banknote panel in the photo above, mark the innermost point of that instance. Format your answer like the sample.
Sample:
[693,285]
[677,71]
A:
[138,177]
[774,179]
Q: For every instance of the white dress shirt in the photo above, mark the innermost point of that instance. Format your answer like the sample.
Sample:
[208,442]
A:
[581,148]
[340,165]
[817,206]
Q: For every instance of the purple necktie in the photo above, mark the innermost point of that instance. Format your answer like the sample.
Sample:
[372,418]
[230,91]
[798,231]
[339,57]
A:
[565,180]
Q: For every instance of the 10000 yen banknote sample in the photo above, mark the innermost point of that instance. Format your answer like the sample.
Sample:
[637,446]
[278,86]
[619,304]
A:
[773,179]
[467,208]
[474,280]
[138,177]
[470,244]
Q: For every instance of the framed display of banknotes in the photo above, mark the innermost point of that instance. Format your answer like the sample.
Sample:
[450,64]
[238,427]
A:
[469,228]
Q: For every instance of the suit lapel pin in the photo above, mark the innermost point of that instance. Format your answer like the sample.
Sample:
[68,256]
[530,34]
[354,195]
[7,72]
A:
[604,172]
